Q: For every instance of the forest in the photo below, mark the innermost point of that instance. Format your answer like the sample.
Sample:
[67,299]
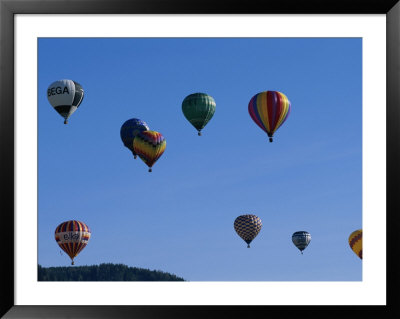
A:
[103,272]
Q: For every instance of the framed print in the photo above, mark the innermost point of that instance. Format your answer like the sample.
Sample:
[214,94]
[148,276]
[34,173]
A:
[261,171]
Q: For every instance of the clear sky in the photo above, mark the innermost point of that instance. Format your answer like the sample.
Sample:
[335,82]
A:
[179,218]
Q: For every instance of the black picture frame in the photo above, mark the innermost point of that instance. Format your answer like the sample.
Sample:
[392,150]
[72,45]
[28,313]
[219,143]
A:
[8,10]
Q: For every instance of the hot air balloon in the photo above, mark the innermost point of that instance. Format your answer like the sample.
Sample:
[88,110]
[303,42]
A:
[355,242]
[247,226]
[65,96]
[198,109]
[72,236]
[301,239]
[129,130]
[269,110]
[149,145]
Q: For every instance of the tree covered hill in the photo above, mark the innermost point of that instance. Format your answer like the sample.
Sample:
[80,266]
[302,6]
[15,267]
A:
[103,272]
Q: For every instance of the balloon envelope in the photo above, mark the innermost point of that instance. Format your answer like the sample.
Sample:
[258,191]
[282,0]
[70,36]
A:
[129,130]
[198,108]
[269,110]
[355,242]
[149,145]
[72,236]
[247,227]
[301,239]
[65,96]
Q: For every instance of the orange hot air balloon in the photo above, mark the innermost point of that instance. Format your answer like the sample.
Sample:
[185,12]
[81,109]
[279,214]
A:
[355,242]
[149,145]
[72,236]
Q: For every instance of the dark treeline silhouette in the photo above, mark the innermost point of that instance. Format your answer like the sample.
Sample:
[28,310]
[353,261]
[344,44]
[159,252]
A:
[103,272]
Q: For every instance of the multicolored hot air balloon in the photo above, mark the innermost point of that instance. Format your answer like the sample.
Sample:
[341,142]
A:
[149,145]
[355,242]
[72,236]
[269,110]
[247,226]
[65,96]
[129,130]
[301,239]
[198,109]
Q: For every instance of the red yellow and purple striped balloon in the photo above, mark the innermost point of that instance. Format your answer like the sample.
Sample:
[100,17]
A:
[72,236]
[355,242]
[269,110]
[149,146]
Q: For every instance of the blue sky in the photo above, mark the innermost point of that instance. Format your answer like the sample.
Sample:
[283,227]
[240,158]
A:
[179,218]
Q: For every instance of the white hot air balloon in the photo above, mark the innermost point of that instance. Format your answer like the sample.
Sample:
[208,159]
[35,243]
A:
[65,96]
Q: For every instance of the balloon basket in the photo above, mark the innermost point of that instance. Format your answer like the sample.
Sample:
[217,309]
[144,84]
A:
[199,133]
[150,170]
[270,140]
